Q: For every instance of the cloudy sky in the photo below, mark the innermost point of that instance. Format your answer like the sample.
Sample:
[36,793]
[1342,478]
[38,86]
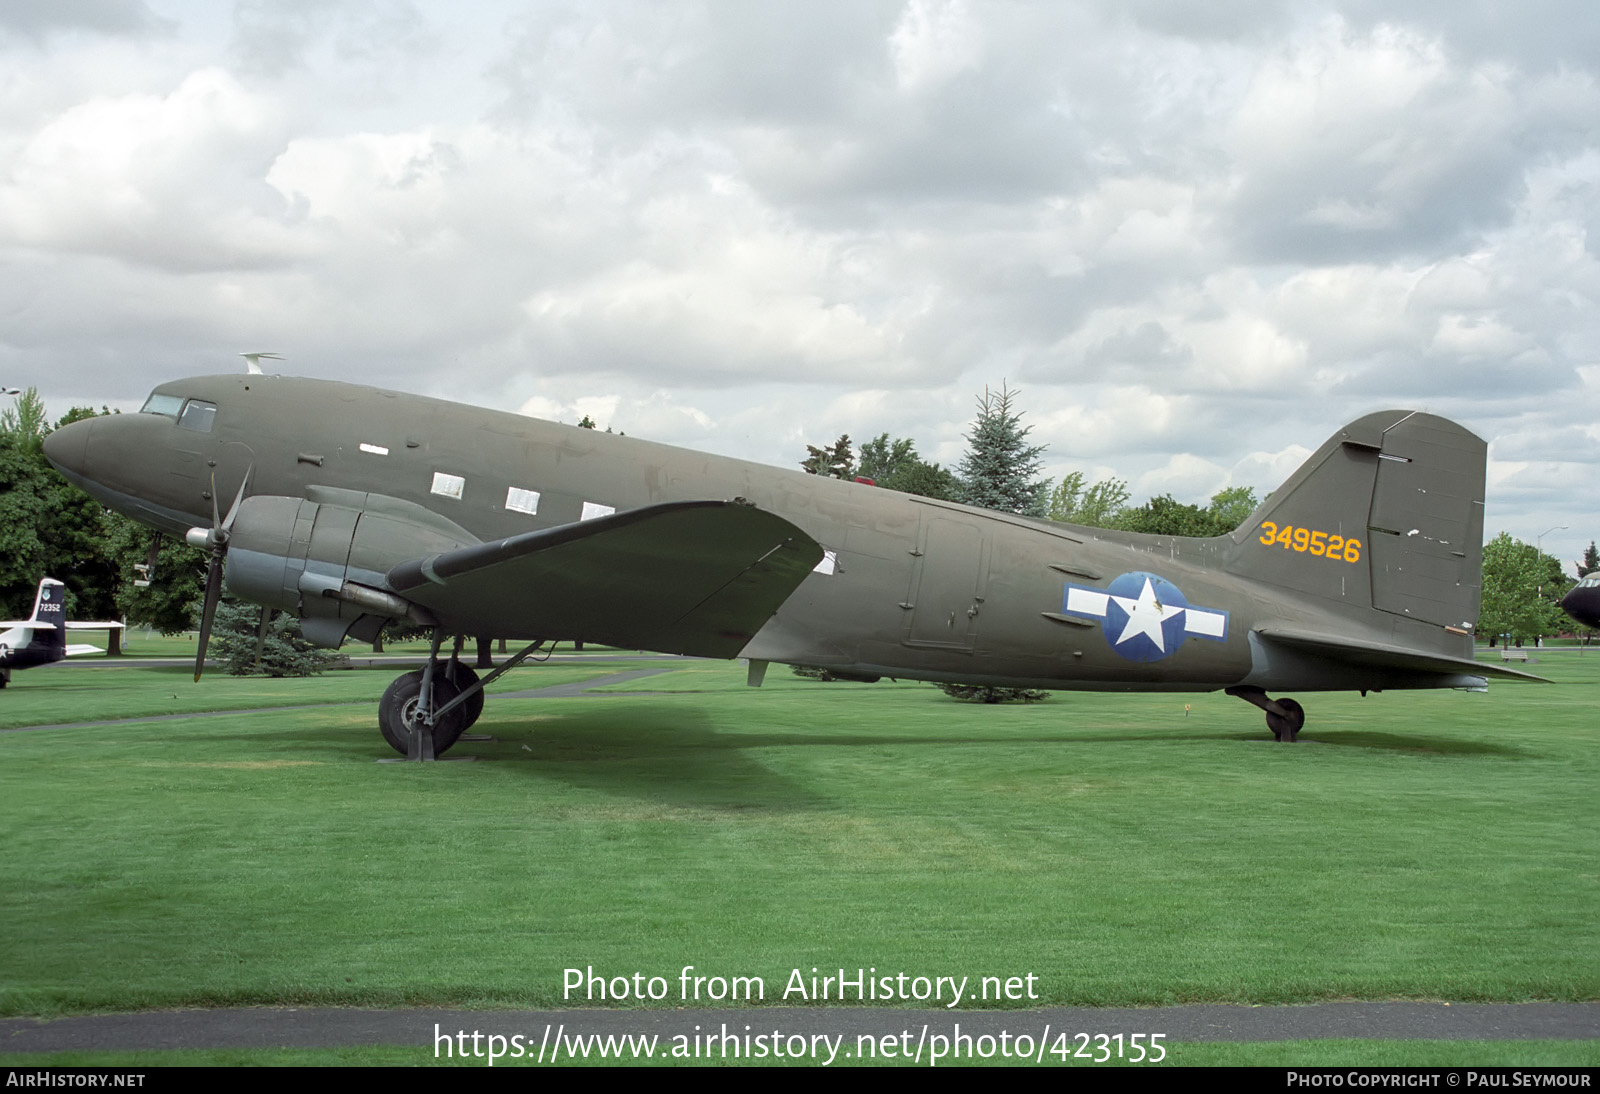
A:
[1199,238]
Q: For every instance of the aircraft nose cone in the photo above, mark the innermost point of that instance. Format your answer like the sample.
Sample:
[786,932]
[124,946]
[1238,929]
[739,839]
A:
[68,447]
[1583,604]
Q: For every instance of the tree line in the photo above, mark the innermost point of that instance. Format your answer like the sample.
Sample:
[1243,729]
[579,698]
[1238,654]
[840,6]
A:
[1000,471]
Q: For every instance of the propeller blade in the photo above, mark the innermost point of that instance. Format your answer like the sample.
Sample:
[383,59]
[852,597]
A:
[238,499]
[150,558]
[218,539]
[208,611]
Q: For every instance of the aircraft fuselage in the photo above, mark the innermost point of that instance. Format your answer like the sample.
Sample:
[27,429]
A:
[910,587]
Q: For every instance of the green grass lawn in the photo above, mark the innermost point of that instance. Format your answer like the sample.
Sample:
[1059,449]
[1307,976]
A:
[1121,849]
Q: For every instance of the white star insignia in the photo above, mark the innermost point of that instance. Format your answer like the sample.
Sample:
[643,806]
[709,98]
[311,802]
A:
[1145,616]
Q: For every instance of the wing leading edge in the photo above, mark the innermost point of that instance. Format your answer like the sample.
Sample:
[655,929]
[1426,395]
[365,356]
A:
[698,577]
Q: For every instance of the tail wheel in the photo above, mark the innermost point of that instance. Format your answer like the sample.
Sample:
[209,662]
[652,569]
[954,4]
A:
[1287,726]
[398,710]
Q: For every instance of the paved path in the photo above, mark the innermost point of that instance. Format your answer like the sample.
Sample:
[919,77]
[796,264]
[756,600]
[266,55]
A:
[324,1027]
[585,687]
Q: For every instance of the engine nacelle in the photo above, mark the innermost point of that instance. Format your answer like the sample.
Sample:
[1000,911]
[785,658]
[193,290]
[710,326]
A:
[298,555]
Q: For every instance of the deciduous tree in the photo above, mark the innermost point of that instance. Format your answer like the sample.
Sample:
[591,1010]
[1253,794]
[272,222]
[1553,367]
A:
[1522,588]
[895,465]
[1098,506]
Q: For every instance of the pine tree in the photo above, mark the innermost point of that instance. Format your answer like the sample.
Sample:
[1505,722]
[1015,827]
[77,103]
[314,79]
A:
[836,461]
[284,650]
[1591,561]
[1000,468]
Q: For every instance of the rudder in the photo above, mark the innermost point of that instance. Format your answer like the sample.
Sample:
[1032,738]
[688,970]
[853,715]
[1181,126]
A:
[1387,514]
[50,607]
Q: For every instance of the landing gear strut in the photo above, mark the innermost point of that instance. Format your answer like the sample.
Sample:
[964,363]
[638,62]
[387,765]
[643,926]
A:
[425,711]
[1285,717]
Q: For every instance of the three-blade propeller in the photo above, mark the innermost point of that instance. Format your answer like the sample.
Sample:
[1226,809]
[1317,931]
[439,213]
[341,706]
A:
[214,539]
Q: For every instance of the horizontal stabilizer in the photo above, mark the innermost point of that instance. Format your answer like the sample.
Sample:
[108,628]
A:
[696,577]
[77,649]
[95,626]
[1380,655]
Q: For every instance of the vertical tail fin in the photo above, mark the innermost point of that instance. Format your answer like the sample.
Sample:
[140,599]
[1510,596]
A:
[50,609]
[1387,514]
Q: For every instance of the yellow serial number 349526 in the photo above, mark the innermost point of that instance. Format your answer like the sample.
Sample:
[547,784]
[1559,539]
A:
[1322,544]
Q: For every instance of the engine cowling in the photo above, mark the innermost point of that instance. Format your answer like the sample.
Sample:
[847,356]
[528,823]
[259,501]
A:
[302,555]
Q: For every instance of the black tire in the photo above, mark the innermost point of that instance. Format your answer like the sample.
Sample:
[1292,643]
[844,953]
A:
[462,676]
[400,700]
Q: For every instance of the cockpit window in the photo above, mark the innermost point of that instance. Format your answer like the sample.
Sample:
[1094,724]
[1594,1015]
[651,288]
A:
[162,404]
[197,416]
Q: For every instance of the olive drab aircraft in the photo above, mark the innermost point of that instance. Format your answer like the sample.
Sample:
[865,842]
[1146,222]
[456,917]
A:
[41,639]
[352,506]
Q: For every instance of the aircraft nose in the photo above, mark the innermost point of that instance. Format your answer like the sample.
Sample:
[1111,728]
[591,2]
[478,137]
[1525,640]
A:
[68,447]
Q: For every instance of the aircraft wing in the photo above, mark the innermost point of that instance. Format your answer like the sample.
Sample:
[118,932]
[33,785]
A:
[698,577]
[1380,655]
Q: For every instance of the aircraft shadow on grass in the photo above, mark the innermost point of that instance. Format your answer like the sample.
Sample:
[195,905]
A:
[668,756]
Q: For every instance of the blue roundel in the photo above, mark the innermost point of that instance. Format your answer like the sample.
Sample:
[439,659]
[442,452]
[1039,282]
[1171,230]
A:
[1143,616]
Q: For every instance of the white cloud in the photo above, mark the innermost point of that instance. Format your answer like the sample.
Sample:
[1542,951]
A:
[169,181]
[934,41]
[1198,240]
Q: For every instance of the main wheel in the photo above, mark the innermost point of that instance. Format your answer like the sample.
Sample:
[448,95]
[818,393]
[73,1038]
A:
[463,678]
[397,711]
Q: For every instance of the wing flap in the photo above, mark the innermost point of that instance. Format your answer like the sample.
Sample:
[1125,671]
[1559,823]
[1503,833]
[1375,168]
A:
[695,577]
[1382,655]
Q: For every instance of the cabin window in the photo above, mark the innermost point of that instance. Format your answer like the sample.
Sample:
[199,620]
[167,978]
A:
[197,416]
[167,405]
[522,501]
[448,486]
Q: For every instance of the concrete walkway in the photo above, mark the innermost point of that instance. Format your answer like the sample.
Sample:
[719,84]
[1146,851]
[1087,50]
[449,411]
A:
[324,1027]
